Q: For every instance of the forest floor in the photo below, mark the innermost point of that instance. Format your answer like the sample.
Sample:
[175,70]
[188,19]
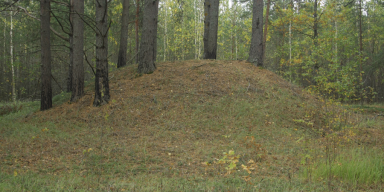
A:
[200,125]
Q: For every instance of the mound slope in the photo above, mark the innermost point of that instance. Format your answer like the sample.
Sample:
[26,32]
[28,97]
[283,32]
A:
[196,79]
[177,121]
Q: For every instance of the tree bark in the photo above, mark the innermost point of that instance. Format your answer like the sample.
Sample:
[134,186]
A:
[12,63]
[211,19]
[101,79]
[122,58]
[315,34]
[266,29]
[5,25]
[148,43]
[70,66]
[45,36]
[3,78]
[256,49]
[165,32]
[78,43]
[137,30]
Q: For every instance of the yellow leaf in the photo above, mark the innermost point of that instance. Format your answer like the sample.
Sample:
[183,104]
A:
[15,173]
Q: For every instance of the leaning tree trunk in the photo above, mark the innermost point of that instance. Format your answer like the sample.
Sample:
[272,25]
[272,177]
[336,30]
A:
[211,20]
[101,79]
[122,58]
[77,46]
[148,43]
[46,87]
[256,49]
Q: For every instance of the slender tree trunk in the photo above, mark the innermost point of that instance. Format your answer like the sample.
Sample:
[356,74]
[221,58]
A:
[101,79]
[266,28]
[122,58]
[70,66]
[3,78]
[290,44]
[256,49]
[315,34]
[12,63]
[360,34]
[336,56]
[78,43]
[361,53]
[211,12]
[46,86]
[182,38]
[165,32]
[199,39]
[148,43]
[5,25]
[137,30]
[195,26]
[233,31]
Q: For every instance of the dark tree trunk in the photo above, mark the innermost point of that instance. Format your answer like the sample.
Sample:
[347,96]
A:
[211,20]
[266,29]
[122,58]
[256,49]
[101,79]
[46,87]
[137,30]
[148,43]
[78,43]
[70,66]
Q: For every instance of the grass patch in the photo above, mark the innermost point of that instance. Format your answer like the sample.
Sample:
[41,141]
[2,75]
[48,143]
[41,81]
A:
[356,166]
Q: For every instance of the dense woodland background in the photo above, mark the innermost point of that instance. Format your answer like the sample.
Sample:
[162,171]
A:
[333,47]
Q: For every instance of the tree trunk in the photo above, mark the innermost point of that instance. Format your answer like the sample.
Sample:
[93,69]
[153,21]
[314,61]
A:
[137,30]
[12,63]
[211,13]
[195,27]
[45,36]
[256,49]
[315,23]
[70,66]
[165,32]
[122,58]
[361,54]
[101,79]
[78,43]
[148,43]
[3,78]
[266,29]
[5,25]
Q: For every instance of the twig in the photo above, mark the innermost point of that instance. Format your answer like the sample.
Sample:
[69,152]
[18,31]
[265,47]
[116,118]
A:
[56,82]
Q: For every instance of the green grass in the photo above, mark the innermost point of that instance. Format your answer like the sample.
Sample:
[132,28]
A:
[142,182]
[356,166]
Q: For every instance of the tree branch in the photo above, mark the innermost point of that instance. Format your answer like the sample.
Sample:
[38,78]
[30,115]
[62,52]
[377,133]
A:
[53,30]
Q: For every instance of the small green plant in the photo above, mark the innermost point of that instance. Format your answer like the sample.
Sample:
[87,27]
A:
[230,161]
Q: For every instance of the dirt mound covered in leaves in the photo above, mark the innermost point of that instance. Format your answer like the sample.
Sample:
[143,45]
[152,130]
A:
[176,121]
[194,79]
